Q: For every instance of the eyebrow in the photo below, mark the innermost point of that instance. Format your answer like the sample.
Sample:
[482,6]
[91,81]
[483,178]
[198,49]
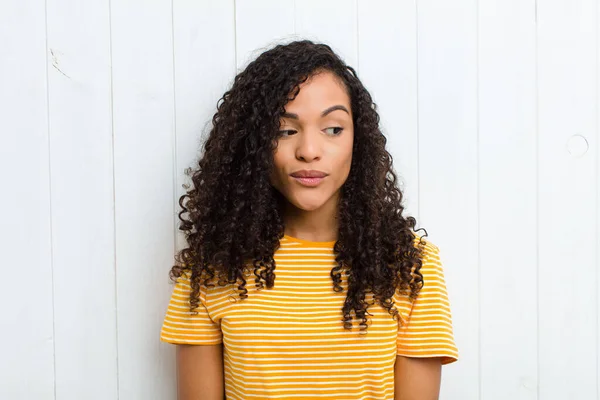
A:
[324,113]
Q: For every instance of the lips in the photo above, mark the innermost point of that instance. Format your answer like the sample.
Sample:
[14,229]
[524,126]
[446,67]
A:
[309,178]
[308,174]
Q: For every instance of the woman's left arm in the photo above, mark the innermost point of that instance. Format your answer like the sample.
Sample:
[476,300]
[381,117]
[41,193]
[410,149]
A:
[417,378]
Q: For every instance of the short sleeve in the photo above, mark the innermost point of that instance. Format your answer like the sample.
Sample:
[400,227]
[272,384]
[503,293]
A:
[427,329]
[181,326]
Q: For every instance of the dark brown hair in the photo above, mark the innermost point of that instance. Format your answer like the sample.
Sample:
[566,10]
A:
[232,216]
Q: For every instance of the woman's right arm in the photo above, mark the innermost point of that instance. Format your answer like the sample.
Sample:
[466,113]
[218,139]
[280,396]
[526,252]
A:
[200,372]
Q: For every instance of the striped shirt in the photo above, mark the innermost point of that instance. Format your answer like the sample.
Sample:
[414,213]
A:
[288,342]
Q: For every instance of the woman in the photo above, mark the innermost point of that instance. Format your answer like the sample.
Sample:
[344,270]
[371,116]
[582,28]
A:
[302,279]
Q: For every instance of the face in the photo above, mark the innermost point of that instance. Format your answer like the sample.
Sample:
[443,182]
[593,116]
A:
[315,140]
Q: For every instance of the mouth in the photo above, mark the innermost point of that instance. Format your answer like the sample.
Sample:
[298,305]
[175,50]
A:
[309,181]
[310,178]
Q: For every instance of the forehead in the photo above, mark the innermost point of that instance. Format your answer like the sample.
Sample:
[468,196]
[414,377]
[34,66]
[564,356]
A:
[319,92]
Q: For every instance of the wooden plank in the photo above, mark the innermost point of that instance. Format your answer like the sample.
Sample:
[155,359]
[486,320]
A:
[261,24]
[596,148]
[388,69]
[448,162]
[333,22]
[27,346]
[82,199]
[144,142]
[507,165]
[567,98]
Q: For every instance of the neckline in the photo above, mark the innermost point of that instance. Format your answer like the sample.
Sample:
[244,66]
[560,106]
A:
[303,241]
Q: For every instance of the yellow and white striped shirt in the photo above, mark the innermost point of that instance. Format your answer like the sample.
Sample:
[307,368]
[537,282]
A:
[288,342]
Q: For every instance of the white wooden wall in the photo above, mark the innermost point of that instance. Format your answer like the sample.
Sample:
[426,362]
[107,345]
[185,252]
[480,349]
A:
[491,110]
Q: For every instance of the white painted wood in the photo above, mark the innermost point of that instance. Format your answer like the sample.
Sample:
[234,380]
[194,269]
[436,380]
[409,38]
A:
[333,22]
[81,168]
[448,162]
[260,25]
[507,181]
[490,110]
[594,146]
[143,117]
[387,54]
[27,341]
[568,269]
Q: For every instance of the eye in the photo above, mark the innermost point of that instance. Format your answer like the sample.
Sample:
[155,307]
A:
[283,133]
[340,129]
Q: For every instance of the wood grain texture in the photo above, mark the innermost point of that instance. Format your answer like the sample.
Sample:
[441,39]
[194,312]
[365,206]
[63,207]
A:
[27,345]
[144,143]
[80,126]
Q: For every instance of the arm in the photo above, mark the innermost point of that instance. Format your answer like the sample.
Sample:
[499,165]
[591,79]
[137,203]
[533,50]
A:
[425,338]
[417,378]
[200,372]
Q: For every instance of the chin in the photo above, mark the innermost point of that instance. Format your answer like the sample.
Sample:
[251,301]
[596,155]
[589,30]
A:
[308,204]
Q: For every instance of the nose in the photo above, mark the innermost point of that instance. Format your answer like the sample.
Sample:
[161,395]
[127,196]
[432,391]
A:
[309,145]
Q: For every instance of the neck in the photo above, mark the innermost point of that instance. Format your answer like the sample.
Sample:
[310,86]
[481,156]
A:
[320,225]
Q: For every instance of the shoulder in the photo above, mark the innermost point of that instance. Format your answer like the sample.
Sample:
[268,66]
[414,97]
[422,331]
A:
[430,250]
[431,262]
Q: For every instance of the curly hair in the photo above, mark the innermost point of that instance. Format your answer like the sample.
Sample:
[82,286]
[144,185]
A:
[232,216]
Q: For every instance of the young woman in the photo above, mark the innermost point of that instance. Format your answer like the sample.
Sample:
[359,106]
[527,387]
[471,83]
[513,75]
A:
[302,278]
